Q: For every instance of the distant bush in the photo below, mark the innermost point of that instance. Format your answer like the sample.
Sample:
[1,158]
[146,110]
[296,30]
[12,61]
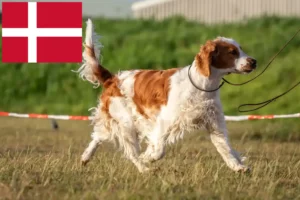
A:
[131,44]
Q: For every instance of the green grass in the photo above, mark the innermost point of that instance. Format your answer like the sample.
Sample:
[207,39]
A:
[131,44]
[38,163]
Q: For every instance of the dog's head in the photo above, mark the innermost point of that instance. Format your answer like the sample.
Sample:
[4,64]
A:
[226,56]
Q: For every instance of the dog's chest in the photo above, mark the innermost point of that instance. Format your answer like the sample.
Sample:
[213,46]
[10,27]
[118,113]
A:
[195,115]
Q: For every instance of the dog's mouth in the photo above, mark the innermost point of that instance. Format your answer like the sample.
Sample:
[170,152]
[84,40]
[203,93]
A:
[244,71]
[248,70]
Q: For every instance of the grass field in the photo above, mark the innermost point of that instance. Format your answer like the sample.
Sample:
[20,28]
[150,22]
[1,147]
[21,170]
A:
[37,162]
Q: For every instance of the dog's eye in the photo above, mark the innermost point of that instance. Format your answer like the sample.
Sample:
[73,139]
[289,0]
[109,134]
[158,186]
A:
[233,52]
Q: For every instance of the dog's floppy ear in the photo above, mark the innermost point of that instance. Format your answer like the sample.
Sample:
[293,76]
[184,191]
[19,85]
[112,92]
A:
[204,57]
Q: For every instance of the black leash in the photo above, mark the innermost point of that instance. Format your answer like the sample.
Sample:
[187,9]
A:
[261,104]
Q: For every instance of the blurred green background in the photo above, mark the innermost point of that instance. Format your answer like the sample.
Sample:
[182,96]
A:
[145,44]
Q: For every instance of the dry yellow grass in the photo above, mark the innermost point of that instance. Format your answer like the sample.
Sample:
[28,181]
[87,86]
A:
[39,163]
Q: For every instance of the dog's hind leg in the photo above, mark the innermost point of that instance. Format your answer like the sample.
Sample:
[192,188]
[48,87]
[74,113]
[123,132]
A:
[91,149]
[128,135]
[156,139]
[129,142]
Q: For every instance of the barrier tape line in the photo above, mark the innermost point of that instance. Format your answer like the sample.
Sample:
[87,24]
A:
[43,116]
[84,118]
[258,117]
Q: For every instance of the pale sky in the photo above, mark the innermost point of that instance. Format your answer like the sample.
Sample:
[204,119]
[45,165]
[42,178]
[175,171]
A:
[107,8]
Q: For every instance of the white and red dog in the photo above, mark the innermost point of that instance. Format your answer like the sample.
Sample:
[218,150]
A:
[162,105]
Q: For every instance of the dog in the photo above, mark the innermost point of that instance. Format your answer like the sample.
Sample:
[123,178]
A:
[160,106]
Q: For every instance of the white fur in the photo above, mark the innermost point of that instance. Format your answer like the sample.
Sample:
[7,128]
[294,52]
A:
[187,110]
[92,41]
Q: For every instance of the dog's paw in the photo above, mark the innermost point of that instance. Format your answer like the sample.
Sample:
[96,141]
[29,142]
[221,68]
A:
[143,169]
[243,169]
[84,162]
[243,158]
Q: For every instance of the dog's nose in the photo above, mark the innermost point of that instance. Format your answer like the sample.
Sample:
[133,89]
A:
[252,62]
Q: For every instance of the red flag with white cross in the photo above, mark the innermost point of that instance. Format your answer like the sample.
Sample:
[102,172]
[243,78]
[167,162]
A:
[41,32]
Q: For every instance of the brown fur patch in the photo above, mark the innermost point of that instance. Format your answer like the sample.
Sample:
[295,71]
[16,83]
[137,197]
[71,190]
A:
[151,89]
[111,90]
[226,55]
[99,71]
[204,58]
[220,54]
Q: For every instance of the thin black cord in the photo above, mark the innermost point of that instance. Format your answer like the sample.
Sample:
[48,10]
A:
[263,104]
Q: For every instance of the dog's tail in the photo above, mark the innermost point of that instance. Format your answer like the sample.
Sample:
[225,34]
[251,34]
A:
[91,69]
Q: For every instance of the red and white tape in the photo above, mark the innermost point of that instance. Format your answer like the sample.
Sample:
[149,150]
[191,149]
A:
[70,117]
[256,117]
[42,116]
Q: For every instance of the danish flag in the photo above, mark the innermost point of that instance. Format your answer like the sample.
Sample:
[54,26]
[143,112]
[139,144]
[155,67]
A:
[42,32]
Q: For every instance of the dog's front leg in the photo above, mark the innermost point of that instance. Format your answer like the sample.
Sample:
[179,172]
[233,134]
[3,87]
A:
[219,137]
